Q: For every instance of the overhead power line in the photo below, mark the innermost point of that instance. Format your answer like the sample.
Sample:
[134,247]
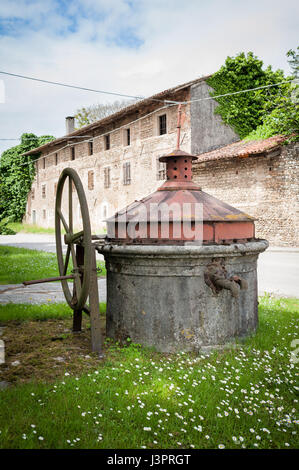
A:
[167,102]
[141,97]
[240,91]
[118,128]
[89,138]
[84,88]
[36,138]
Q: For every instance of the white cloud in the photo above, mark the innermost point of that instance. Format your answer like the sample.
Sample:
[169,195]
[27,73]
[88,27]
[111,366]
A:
[88,43]
[2,91]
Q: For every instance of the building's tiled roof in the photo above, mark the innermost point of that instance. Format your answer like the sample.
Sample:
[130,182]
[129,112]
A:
[166,94]
[242,149]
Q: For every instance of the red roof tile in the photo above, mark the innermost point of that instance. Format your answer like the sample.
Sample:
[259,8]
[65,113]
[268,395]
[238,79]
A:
[242,149]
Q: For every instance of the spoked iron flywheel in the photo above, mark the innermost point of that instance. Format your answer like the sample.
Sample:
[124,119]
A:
[79,244]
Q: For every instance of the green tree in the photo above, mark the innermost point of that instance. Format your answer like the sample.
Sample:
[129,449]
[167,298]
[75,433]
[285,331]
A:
[281,113]
[246,111]
[283,119]
[293,60]
[16,175]
[89,114]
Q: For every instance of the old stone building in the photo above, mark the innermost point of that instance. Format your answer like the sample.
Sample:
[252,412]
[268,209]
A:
[117,157]
[260,178]
[117,160]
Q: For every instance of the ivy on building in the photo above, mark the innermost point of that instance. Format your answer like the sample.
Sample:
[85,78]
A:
[282,119]
[17,172]
[260,113]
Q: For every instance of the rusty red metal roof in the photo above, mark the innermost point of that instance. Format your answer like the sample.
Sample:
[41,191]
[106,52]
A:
[177,201]
[214,210]
[242,149]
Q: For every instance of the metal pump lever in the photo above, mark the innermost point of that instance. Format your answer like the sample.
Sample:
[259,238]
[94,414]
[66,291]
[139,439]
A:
[217,278]
[48,279]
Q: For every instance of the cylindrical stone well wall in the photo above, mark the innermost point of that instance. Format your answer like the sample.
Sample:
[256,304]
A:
[157,295]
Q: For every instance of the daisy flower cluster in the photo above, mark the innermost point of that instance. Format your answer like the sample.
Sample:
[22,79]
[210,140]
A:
[246,397]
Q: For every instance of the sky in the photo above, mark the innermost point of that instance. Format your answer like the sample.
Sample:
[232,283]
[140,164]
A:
[135,47]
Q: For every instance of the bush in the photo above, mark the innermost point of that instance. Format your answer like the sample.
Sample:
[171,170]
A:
[282,119]
[244,112]
[17,172]
[4,229]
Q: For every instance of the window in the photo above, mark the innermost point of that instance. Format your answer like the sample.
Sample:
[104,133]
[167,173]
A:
[161,170]
[90,147]
[107,177]
[44,214]
[44,163]
[162,124]
[107,142]
[72,153]
[33,215]
[128,136]
[43,191]
[32,194]
[127,173]
[90,177]
[56,158]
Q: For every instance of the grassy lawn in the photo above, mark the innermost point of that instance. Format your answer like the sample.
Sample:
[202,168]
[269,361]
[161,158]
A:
[19,227]
[29,228]
[245,397]
[27,312]
[20,264]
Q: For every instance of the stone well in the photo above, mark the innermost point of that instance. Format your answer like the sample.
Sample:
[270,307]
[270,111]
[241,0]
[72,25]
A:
[158,296]
[178,293]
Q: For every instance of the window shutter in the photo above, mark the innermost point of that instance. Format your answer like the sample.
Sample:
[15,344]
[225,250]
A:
[90,180]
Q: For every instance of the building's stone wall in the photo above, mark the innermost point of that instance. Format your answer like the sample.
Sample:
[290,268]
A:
[143,153]
[208,130]
[265,187]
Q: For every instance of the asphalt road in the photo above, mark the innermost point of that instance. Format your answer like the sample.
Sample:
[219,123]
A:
[41,293]
[278,272]
[33,241]
[278,268]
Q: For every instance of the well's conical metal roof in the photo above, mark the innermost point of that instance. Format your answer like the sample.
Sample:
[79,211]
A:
[177,202]
[214,210]
[179,189]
